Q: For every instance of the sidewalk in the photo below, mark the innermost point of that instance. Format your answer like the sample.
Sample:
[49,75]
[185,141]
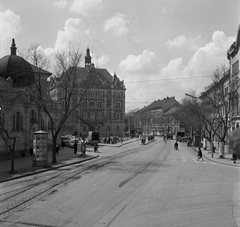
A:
[24,165]
[227,160]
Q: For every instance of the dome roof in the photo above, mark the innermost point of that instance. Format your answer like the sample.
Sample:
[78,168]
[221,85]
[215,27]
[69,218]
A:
[17,68]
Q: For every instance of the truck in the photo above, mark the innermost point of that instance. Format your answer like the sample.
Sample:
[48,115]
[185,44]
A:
[93,138]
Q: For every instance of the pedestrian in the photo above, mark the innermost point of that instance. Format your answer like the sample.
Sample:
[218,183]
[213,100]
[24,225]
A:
[31,151]
[57,149]
[84,149]
[75,147]
[63,144]
[199,156]
[95,147]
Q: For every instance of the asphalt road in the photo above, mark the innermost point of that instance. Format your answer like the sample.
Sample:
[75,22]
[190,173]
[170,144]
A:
[133,186]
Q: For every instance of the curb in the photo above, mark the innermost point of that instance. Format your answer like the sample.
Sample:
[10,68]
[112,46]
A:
[212,160]
[47,169]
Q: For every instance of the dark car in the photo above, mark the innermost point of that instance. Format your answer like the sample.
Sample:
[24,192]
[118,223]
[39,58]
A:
[169,136]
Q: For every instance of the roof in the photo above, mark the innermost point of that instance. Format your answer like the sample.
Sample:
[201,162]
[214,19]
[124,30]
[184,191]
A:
[171,111]
[164,104]
[18,69]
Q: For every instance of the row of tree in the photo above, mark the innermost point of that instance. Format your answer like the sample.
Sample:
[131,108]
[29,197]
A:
[213,112]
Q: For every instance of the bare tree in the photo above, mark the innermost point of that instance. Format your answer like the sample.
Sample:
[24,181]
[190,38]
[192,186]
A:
[8,136]
[60,97]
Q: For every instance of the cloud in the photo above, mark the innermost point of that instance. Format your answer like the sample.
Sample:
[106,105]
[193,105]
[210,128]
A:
[117,24]
[62,4]
[142,62]
[179,77]
[10,28]
[177,42]
[165,10]
[84,7]
[181,41]
[102,61]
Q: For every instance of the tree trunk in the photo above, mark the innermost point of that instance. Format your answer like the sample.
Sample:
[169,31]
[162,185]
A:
[54,159]
[12,162]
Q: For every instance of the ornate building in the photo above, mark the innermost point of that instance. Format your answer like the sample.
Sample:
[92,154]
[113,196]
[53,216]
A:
[102,106]
[20,114]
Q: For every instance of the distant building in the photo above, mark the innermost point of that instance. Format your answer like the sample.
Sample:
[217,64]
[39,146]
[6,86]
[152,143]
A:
[102,107]
[20,113]
[233,56]
[158,118]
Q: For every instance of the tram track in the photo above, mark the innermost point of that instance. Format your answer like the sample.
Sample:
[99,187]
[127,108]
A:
[14,200]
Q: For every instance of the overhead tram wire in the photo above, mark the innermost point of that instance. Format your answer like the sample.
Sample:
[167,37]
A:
[175,78]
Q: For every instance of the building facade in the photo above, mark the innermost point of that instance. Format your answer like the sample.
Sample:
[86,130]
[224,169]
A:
[102,105]
[20,113]
[233,56]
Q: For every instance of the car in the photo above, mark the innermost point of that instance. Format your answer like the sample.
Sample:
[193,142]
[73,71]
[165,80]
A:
[169,136]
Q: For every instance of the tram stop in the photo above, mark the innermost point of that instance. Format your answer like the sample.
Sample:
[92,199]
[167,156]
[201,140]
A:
[40,149]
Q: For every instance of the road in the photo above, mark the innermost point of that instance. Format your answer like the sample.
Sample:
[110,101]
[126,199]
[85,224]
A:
[133,186]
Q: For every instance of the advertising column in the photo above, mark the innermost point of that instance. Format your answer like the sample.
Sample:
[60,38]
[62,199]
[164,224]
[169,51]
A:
[40,149]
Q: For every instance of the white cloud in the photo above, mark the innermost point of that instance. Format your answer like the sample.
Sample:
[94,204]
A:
[177,77]
[74,32]
[177,42]
[62,4]
[142,62]
[117,24]
[84,7]
[181,41]
[102,61]
[10,27]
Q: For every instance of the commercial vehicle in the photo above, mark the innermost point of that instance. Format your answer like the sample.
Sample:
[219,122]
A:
[93,138]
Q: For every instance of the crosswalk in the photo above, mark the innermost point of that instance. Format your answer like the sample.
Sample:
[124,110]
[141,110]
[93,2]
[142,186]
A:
[175,159]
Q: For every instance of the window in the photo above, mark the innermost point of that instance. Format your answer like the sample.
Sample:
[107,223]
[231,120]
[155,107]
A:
[84,116]
[118,105]
[117,116]
[99,104]
[33,116]
[84,128]
[84,103]
[99,116]
[92,104]
[17,121]
[92,116]
[117,129]
[42,124]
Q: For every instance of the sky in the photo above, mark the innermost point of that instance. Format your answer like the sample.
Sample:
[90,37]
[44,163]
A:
[160,48]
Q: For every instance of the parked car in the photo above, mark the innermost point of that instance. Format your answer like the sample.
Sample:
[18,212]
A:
[169,136]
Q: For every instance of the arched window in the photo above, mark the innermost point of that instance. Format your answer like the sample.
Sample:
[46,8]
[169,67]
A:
[33,116]
[17,121]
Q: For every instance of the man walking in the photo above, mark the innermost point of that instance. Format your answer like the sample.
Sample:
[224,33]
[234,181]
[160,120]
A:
[199,156]
[75,147]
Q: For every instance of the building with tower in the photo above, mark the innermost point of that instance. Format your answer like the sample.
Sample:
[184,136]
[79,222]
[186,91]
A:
[102,106]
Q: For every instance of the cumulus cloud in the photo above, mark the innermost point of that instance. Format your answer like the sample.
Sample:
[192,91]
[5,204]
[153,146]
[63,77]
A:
[10,27]
[61,4]
[102,61]
[181,41]
[117,24]
[142,62]
[179,77]
[84,7]
[177,42]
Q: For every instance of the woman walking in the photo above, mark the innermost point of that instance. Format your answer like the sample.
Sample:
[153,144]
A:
[199,156]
